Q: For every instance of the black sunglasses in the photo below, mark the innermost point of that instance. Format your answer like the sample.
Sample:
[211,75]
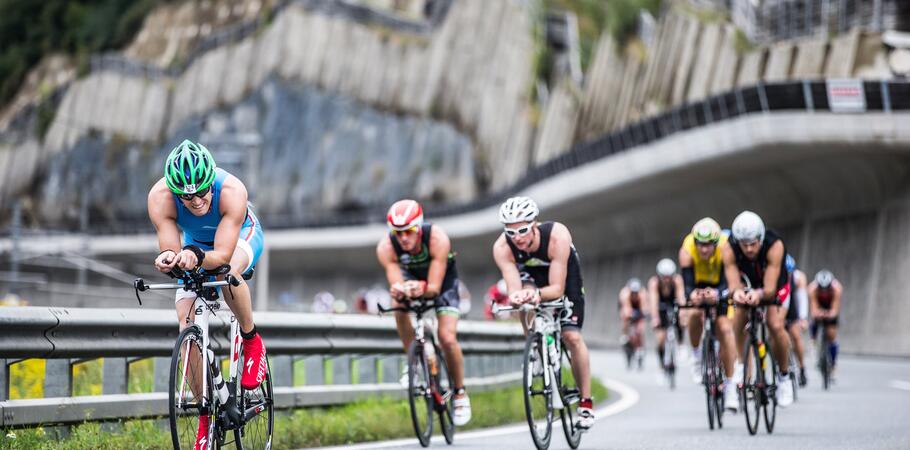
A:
[201,193]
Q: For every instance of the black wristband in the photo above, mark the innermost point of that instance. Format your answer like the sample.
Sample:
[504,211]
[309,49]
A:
[200,253]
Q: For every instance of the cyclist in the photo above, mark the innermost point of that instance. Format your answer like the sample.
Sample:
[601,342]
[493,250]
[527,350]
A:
[702,272]
[664,289]
[824,300]
[796,316]
[419,263]
[631,312]
[759,254]
[539,262]
[202,218]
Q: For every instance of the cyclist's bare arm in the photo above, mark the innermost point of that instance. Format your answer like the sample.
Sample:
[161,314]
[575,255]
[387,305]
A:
[812,290]
[772,271]
[385,253]
[163,213]
[559,249]
[502,256]
[654,296]
[835,300]
[731,271]
[440,246]
[233,209]
[680,289]
[687,267]
[625,307]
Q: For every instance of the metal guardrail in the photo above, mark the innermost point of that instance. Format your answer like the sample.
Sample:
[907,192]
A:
[64,336]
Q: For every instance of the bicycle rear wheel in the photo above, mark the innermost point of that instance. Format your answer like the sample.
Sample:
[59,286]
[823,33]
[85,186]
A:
[420,396]
[707,372]
[188,403]
[570,395]
[538,392]
[445,387]
[259,413]
[753,386]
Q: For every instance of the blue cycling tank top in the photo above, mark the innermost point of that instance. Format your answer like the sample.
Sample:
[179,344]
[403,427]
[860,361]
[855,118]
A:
[201,229]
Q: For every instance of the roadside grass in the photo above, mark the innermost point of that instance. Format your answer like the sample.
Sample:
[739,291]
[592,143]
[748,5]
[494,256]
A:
[374,419]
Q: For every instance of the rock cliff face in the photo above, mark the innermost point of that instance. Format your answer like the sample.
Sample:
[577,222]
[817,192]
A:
[350,113]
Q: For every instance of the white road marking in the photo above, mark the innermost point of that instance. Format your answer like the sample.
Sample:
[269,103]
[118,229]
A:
[898,384]
[628,398]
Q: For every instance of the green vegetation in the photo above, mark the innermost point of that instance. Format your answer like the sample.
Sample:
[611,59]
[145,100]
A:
[29,30]
[363,421]
[619,17]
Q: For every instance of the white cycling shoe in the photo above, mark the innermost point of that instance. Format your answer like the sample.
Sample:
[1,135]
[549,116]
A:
[585,419]
[784,391]
[462,413]
[731,397]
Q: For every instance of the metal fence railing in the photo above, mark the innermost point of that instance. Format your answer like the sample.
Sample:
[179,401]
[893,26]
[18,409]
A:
[776,20]
[360,349]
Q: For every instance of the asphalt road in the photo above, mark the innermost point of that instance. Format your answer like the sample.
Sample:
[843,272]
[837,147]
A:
[868,407]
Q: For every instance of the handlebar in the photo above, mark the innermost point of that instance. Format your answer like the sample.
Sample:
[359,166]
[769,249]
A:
[194,280]
[411,305]
[552,304]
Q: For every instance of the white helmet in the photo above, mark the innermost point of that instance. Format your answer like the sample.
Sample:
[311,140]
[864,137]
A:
[666,267]
[824,278]
[634,284]
[518,209]
[747,226]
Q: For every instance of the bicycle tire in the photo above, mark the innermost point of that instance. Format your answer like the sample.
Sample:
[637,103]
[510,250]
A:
[706,364]
[794,377]
[570,395]
[184,424]
[824,359]
[420,399]
[445,385]
[719,404]
[256,433]
[751,386]
[769,407]
[670,347]
[537,386]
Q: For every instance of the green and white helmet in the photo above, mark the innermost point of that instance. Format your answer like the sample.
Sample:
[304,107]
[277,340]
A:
[189,168]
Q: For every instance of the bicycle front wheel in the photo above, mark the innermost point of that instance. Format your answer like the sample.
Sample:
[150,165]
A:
[445,387]
[538,392]
[420,396]
[707,372]
[571,395]
[753,386]
[189,404]
[824,360]
[259,413]
[769,406]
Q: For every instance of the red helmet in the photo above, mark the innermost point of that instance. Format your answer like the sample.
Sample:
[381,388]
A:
[404,215]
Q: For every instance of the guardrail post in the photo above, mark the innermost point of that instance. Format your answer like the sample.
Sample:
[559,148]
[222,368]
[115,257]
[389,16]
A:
[341,369]
[114,379]
[367,370]
[313,370]
[282,370]
[391,369]
[58,382]
[4,380]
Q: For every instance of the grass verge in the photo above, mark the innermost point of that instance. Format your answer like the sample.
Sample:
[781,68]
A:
[371,420]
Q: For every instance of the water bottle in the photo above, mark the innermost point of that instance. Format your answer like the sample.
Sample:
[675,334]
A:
[220,386]
[761,355]
[429,351]
[551,351]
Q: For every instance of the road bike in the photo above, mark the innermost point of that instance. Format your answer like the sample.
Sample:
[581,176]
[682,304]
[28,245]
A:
[825,362]
[245,418]
[712,369]
[430,385]
[547,370]
[671,347]
[759,383]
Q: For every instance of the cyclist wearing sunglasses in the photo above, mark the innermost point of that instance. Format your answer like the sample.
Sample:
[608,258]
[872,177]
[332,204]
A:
[702,271]
[665,289]
[419,263]
[760,255]
[539,262]
[203,219]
